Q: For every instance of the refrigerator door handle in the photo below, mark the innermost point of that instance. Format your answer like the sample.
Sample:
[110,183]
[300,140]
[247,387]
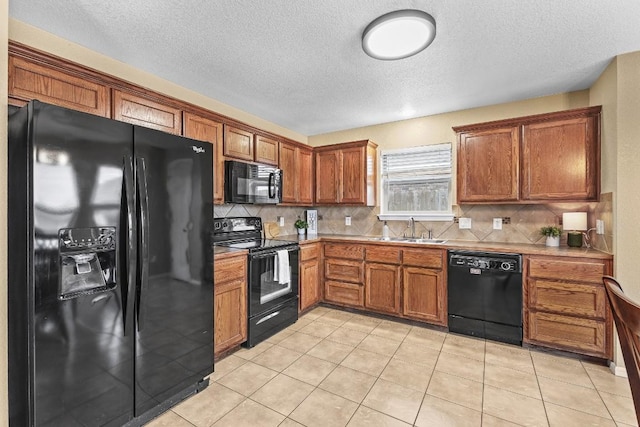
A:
[143,237]
[128,234]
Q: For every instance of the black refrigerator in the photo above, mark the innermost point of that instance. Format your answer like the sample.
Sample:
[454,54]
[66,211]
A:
[110,269]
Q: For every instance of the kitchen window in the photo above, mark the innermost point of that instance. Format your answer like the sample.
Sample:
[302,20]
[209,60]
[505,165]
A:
[416,182]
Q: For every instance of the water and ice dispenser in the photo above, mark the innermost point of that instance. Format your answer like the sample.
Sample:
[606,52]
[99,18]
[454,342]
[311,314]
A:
[87,260]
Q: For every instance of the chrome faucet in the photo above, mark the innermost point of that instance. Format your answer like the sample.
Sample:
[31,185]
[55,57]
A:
[412,225]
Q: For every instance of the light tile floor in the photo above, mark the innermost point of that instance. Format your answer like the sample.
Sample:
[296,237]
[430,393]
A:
[336,368]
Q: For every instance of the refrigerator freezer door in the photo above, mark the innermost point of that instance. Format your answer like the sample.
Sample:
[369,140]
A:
[174,305]
[70,340]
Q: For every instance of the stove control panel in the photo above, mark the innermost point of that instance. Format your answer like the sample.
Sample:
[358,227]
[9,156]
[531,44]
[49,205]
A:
[236,224]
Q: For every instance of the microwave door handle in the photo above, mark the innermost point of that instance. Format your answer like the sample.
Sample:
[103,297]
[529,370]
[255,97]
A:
[272,185]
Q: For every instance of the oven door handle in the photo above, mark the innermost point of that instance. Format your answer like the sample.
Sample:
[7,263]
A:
[268,254]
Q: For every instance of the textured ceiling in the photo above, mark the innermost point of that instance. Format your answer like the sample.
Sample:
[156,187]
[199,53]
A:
[299,63]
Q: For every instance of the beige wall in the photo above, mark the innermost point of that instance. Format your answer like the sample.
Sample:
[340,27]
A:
[627,200]
[4,18]
[436,129]
[32,36]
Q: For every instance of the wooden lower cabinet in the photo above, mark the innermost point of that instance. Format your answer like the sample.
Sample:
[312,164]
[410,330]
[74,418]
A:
[309,290]
[566,305]
[344,293]
[382,287]
[344,274]
[230,303]
[424,294]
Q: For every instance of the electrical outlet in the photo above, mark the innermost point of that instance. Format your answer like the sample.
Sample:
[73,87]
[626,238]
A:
[347,220]
[281,221]
[599,226]
[497,223]
[464,223]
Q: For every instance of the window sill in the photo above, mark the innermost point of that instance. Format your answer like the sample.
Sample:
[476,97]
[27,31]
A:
[444,216]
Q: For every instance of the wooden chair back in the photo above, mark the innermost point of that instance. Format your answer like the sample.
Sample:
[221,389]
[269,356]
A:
[626,315]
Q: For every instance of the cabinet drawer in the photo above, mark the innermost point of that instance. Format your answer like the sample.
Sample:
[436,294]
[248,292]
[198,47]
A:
[579,271]
[570,333]
[387,255]
[578,299]
[344,270]
[229,269]
[309,251]
[431,258]
[337,250]
[344,293]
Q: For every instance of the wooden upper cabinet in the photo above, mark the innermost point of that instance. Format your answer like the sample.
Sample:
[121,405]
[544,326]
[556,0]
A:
[266,150]
[209,130]
[346,173]
[297,170]
[560,159]
[488,165]
[535,159]
[238,143]
[141,111]
[289,165]
[28,80]
[305,176]
[327,170]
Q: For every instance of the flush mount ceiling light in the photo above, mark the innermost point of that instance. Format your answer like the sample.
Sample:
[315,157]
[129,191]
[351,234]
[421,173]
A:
[399,34]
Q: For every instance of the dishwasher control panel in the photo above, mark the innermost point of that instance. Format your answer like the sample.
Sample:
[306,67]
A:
[486,261]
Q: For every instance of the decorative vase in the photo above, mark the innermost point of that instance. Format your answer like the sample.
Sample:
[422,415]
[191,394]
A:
[301,231]
[553,241]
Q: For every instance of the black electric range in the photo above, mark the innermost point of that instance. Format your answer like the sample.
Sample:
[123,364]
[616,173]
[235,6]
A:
[272,275]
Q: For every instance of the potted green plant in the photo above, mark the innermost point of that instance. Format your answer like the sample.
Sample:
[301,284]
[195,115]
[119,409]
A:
[301,225]
[553,233]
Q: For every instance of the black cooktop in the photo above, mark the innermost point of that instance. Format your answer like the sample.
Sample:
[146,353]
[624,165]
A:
[244,233]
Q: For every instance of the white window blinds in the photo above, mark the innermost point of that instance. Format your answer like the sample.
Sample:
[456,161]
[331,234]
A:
[416,180]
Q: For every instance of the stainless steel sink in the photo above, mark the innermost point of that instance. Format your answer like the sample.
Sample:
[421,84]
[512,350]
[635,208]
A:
[410,240]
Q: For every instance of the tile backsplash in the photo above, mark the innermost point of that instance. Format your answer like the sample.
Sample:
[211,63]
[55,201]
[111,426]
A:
[524,226]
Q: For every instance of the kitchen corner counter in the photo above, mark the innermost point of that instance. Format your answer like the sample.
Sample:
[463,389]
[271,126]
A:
[521,248]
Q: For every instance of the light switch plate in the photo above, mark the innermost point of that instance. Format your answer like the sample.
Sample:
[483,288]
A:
[464,223]
[281,221]
[347,220]
[497,223]
[599,226]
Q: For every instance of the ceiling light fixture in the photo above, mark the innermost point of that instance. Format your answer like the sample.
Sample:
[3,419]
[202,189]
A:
[399,34]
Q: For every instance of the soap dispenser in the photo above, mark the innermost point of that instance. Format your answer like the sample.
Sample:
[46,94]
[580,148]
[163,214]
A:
[385,231]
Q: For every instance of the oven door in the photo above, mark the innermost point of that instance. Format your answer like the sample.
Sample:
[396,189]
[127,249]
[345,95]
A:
[272,280]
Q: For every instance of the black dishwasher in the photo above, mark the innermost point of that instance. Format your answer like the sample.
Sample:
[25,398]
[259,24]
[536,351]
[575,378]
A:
[485,295]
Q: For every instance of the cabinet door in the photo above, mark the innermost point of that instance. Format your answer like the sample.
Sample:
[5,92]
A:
[352,176]
[488,165]
[559,160]
[290,178]
[28,81]
[327,171]
[266,150]
[141,111]
[230,309]
[208,130]
[424,295]
[309,283]
[382,287]
[305,176]
[238,143]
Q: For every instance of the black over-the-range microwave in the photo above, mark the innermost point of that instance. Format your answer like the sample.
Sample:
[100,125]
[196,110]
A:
[252,183]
